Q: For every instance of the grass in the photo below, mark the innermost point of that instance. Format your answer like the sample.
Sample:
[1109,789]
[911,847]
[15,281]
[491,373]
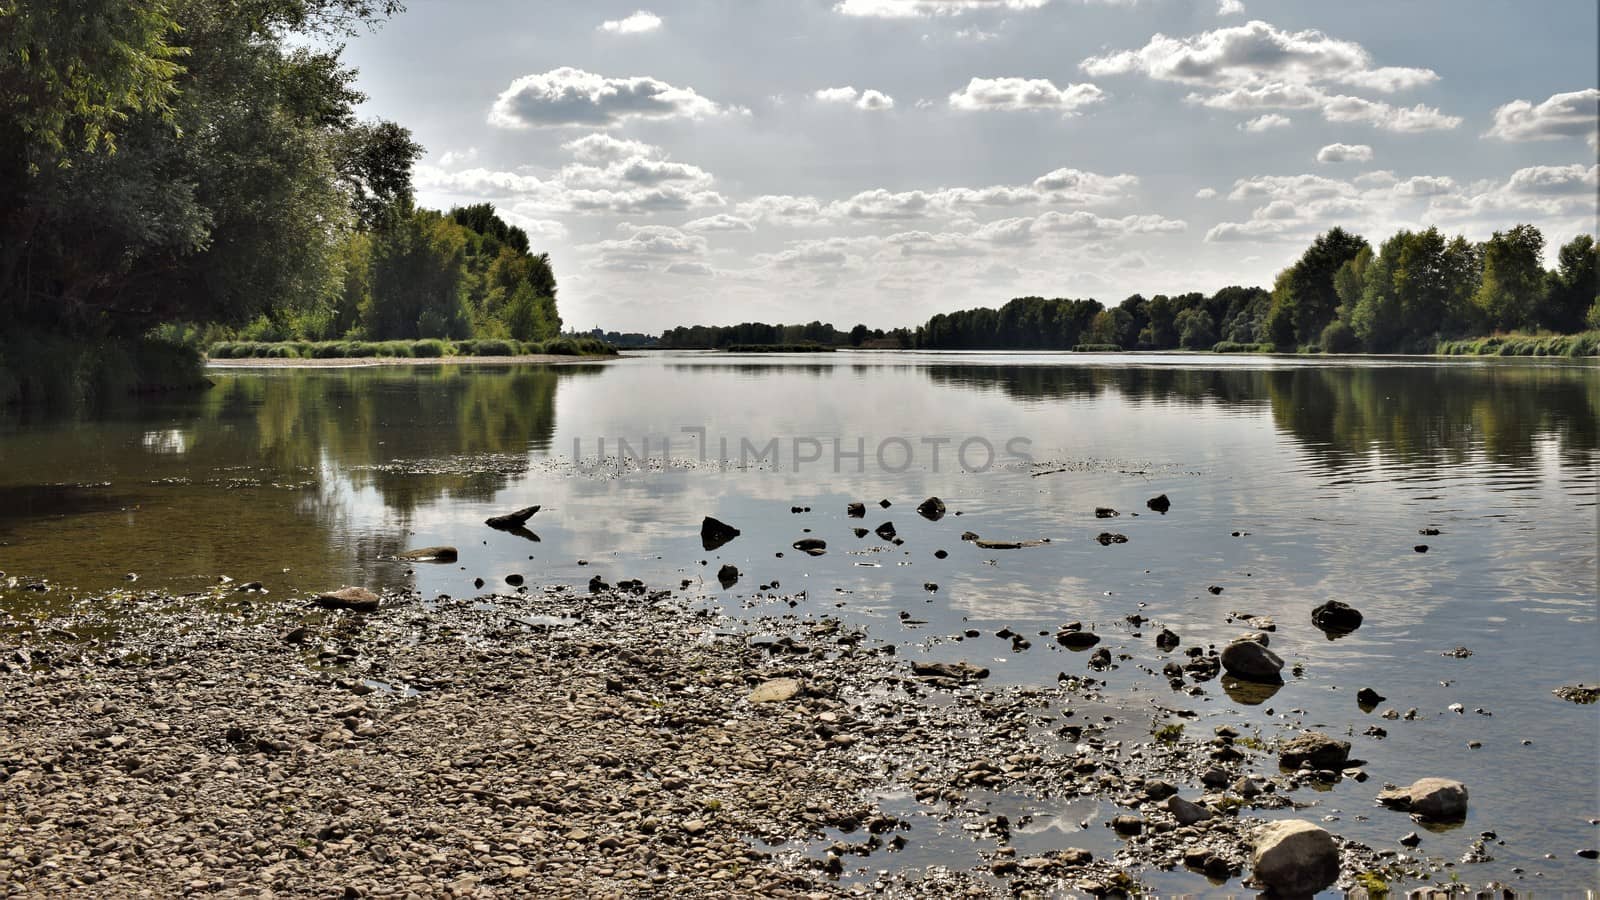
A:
[423,349]
[48,370]
[1236,347]
[1585,343]
[1168,734]
[1096,348]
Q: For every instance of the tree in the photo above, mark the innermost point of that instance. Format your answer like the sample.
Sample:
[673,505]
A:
[1196,330]
[1572,289]
[1513,278]
[1308,298]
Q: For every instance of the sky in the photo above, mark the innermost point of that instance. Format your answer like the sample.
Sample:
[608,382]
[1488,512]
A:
[879,161]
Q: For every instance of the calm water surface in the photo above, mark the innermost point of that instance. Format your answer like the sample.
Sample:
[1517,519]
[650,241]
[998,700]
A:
[306,479]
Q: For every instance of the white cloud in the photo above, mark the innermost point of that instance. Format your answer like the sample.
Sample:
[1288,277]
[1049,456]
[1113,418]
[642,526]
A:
[1424,186]
[600,148]
[568,96]
[1230,8]
[1265,122]
[720,222]
[1205,193]
[1338,153]
[1572,114]
[1257,66]
[642,247]
[868,100]
[689,268]
[638,23]
[906,9]
[453,158]
[1012,94]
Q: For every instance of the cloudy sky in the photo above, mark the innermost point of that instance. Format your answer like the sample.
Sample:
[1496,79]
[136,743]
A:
[718,161]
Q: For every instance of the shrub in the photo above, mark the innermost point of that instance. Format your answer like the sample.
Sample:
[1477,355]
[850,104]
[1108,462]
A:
[1339,337]
[1238,347]
[1097,348]
[429,348]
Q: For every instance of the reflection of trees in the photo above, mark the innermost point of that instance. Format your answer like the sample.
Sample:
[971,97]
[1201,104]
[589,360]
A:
[1340,414]
[413,434]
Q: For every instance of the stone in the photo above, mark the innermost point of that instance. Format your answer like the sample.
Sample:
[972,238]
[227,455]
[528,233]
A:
[1321,751]
[431,554]
[1336,618]
[1157,790]
[1187,812]
[1294,858]
[356,599]
[931,509]
[811,546]
[1077,640]
[1436,799]
[1421,548]
[1251,661]
[1127,825]
[885,503]
[1105,512]
[714,533]
[1579,693]
[1167,640]
[515,580]
[775,690]
[1159,503]
[960,671]
[727,576]
[856,510]
[511,520]
[885,531]
[1368,699]
[1107,538]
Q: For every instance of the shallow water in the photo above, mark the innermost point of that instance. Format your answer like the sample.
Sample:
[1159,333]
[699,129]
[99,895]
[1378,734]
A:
[1327,469]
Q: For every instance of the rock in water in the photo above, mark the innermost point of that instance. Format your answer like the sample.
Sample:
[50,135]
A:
[1367,698]
[1159,503]
[1579,693]
[1321,751]
[960,671]
[728,576]
[1105,512]
[1107,538]
[775,691]
[714,533]
[1336,618]
[431,554]
[511,520]
[1167,640]
[1187,812]
[856,510]
[352,598]
[931,509]
[885,531]
[1252,661]
[1435,799]
[1077,640]
[1294,858]
[812,546]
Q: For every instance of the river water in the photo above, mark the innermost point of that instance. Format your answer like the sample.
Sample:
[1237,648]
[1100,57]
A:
[1292,482]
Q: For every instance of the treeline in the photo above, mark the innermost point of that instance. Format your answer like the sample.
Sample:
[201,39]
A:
[749,334]
[196,169]
[418,274]
[1417,290]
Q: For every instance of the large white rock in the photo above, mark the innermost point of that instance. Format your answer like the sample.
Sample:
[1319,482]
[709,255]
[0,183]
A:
[1429,798]
[1294,858]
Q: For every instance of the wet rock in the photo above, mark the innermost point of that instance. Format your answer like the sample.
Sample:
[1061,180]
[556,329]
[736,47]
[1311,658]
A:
[856,510]
[1009,545]
[1321,751]
[511,520]
[861,532]
[1252,661]
[776,690]
[1215,589]
[1436,799]
[431,554]
[1157,790]
[1294,858]
[1105,512]
[940,554]
[969,535]
[1077,640]
[715,533]
[1107,538]
[1421,548]
[356,599]
[1100,659]
[885,531]
[728,576]
[885,503]
[1428,532]
[931,509]
[1127,825]
[1336,618]
[958,671]
[1411,840]
[514,580]
[1167,640]
[1368,699]
[1579,693]
[1215,777]
[1159,503]
[297,636]
[1187,812]
[1457,653]
[598,585]
[812,546]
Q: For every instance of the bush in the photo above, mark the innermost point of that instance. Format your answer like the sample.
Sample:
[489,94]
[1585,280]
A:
[429,348]
[1238,347]
[1339,337]
[1097,348]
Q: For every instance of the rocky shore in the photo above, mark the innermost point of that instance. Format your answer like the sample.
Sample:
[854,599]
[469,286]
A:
[620,742]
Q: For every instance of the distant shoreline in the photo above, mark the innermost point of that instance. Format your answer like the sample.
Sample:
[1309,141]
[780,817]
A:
[353,362]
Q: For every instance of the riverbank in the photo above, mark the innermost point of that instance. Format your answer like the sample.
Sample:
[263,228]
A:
[351,362]
[622,741]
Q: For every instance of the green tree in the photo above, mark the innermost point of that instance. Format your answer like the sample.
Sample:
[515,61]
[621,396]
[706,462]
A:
[1307,298]
[1572,289]
[1196,330]
[1513,278]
